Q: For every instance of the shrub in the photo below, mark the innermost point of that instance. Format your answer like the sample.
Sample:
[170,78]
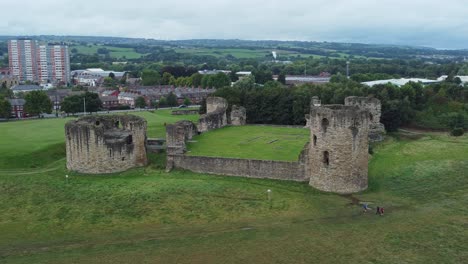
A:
[458,131]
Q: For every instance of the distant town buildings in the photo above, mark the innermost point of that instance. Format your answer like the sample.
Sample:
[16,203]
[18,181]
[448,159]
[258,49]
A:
[401,82]
[208,72]
[25,88]
[30,61]
[93,76]
[324,77]
[463,79]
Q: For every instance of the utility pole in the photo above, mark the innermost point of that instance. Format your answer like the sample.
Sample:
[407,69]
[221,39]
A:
[84,105]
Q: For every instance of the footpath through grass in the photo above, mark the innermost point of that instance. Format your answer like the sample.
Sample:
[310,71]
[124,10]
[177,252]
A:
[251,142]
[146,215]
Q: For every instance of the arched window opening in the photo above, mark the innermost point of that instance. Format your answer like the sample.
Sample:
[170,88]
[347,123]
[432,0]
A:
[371,117]
[326,159]
[325,124]
[315,140]
[98,123]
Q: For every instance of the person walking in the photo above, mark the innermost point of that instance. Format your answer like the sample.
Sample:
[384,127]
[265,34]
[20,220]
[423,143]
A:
[381,211]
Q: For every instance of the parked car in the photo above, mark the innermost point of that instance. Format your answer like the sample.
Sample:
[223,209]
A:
[182,106]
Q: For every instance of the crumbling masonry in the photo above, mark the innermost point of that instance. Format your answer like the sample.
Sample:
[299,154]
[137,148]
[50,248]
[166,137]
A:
[105,144]
[373,105]
[335,159]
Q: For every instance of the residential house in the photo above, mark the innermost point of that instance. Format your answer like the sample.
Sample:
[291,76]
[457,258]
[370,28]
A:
[17,108]
[128,98]
[110,102]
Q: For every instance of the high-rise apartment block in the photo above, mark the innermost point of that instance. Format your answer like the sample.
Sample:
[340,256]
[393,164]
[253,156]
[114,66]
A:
[30,61]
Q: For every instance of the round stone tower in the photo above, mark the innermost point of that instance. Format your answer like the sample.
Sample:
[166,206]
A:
[105,144]
[339,148]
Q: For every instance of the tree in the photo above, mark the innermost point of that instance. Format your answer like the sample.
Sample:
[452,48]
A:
[37,102]
[196,79]
[112,75]
[150,77]
[166,78]
[187,101]
[220,80]
[75,103]
[93,103]
[171,99]
[140,102]
[72,104]
[162,102]
[5,92]
[5,108]
[282,78]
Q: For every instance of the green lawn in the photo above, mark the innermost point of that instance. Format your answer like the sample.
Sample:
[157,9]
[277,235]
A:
[251,142]
[240,53]
[34,143]
[146,215]
[115,52]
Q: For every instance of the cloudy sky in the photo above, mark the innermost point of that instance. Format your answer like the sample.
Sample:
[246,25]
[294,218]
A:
[439,24]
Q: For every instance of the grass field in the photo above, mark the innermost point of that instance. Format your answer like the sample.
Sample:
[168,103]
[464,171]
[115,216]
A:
[146,215]
[241,53]
[251,142]
[115,52]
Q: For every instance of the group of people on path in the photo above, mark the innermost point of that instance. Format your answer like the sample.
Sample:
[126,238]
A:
[379,211]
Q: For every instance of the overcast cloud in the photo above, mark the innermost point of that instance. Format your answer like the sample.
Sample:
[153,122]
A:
[440,24]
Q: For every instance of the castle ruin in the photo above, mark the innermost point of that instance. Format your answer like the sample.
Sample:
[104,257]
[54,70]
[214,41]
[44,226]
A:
[215,116]
[373,105]
[338,150]
[105,144]
[335,159]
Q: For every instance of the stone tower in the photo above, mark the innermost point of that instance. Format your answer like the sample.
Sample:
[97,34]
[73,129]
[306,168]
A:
[105,144]
[215,116]
[338,153]
[376,129]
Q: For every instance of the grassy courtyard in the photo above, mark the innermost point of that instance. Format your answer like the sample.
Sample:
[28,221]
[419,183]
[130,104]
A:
[251,142]
[146,215]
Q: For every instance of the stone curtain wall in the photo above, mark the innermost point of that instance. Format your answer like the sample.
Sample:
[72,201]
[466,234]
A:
[339,148]
[373,105]
[184,112]
[215,116]
[105,144]
[177,134]
[280,170]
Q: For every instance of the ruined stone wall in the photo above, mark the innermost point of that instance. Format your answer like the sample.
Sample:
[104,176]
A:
[373,105]
[215,103]
[215,116]
[177,134]
[184,112]
[105,144]
[338,151]
[280,170]
[238,115]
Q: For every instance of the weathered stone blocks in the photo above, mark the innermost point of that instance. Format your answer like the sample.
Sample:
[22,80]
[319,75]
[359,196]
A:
[238,115]
[105,144]
[376,129]
[338,152]
[215,116]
